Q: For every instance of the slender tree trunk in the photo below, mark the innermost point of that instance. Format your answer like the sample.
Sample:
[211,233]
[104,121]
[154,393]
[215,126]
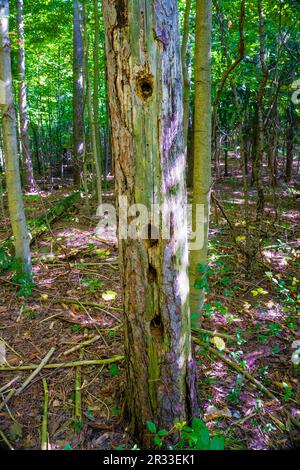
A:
[99,154]
[226,143]
[290,142]
[13,180]
[26,154]
[202,147]
[230,69]
[185,71]
[259,145]
[78,94]
[91,116]
[146,112]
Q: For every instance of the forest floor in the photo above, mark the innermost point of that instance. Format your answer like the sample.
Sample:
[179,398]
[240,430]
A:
[258,312]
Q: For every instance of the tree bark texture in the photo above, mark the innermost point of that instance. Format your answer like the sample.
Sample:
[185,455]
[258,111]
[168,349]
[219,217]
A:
[146,112]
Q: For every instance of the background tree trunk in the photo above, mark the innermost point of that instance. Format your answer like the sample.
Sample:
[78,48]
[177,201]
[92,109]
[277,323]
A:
[78,94]
[185,71]
[91,116]
[202,145]
[12,170]
[99,156]
[259,120]
[146,112]
[26,154]
[291,120]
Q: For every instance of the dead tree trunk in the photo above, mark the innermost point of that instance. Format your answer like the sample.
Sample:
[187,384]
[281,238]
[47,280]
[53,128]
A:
[146,112]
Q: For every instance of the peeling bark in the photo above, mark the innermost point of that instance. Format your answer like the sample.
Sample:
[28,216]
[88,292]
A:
[146,112]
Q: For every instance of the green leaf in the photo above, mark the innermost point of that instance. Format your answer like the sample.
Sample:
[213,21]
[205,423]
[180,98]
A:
[162,433]
[68,447]
[217,443]
[114,370]
[151,427]
[204,438]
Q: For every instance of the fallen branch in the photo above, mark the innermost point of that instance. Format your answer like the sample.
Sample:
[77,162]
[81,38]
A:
[82,302]
[36,371]
[6,441]
[8,346]
[5,387]
[78,397]
[63,365]
[44,433]
[36,368]
[213,333]
[41,224]
[82,345]
[9,396]
[239,369]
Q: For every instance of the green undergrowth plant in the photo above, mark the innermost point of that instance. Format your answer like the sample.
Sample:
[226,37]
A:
[20,277]
[194,437]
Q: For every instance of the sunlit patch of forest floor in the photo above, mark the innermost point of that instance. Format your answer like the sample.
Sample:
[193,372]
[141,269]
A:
[255,314]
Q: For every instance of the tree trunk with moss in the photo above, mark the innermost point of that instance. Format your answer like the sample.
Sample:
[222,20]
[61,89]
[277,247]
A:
[9,129]
[202,151]
[146,112]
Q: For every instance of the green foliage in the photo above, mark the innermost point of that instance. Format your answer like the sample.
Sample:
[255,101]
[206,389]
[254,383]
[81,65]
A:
[5,259]
[288,392]
[93,284]
[68,447]
[77,425]
[114,370]
[151,427]
[19,276]
[194,437]
[76,328]
[201,281]
[116,411]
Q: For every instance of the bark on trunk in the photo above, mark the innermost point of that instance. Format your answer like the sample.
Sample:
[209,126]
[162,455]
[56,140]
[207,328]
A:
[146,112]
[9,128]
[26,154]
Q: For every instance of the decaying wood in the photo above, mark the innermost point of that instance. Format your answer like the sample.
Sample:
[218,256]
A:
[145,90]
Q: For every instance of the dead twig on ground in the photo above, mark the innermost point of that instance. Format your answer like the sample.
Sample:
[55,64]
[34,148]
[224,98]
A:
[44,432]
[63,365]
